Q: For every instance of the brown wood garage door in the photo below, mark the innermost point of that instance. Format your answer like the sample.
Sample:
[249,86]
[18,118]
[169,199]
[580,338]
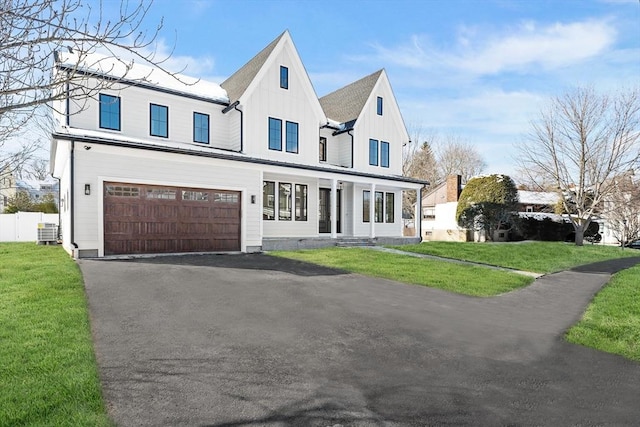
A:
[142,219]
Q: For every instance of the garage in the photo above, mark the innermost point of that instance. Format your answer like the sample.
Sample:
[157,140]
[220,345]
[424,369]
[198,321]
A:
[147,219]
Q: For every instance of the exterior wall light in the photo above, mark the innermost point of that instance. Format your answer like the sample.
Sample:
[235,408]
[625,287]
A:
[87,189]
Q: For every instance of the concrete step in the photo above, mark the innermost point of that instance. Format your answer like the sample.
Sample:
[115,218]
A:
[345,243]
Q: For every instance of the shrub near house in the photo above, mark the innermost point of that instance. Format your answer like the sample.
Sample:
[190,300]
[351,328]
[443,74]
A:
[488,203]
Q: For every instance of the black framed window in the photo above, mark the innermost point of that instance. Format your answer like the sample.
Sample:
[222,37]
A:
[284,77]
[284,201]
[373,152]
[384,154]
[159,120]
[292,137]
[301,202]
[379,106]
[269,200]
[389,207]
[366,200]
[201,128]
[379,206]
[275,134]
[323,149]
[109,112]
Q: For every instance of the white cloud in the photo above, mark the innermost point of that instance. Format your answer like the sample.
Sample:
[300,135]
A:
[529,45]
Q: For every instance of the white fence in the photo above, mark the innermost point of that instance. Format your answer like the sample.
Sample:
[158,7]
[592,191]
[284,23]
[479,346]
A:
[23,226]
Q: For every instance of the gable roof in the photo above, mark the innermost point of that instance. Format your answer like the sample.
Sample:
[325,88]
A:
[240,80]
[346,104]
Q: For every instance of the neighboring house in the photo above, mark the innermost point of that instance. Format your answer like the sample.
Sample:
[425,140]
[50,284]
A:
[36,189]
[439,208]
[538,201]
[439,213]
[256,163]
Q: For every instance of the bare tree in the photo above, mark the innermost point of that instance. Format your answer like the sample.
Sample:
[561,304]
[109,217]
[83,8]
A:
[455,156]
[621,208]
[418,161]
[33,32]
[37,169]
[581,141]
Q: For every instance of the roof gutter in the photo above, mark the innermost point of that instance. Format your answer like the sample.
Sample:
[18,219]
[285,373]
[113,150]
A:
[72,204]
[223,156]
[234,106]
[351,135]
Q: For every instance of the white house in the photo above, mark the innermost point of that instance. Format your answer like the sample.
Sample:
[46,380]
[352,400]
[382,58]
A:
[256,163]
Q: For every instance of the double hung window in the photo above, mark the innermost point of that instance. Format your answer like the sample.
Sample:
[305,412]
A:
[159,120]
[201,128]
[275,134]
[109,112]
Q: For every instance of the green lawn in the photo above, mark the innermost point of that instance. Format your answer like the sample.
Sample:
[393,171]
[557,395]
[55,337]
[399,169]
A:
[612,321]
[464,279]
[539,257]
[48,374]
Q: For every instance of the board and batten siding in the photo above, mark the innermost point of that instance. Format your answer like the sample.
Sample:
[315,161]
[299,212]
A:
[135,116]
[127,165]
[387,127]
[268,99]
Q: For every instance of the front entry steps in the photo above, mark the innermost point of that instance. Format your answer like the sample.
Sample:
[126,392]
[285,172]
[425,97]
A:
[354,242]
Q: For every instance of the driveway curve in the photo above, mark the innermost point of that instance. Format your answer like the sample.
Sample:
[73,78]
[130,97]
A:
[241,340]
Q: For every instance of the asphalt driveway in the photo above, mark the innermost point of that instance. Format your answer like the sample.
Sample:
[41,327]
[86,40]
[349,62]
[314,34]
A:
[234,340]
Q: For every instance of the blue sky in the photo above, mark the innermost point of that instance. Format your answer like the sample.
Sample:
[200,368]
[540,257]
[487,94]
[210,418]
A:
[478,69]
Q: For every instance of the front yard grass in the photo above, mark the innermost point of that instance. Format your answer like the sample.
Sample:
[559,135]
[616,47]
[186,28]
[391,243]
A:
[538,257]
[612,320]
[48,373]
[464,279]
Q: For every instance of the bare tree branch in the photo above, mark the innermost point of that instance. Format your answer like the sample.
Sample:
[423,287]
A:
[581,142]
[31,34]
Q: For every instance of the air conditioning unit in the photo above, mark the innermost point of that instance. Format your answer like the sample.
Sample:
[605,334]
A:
[47,233]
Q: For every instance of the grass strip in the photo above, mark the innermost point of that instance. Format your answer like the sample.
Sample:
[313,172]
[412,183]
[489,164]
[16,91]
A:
[464,279]
[611,323]
[538,257]
[48,370]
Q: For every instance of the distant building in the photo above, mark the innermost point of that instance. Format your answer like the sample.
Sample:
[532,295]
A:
[10,186]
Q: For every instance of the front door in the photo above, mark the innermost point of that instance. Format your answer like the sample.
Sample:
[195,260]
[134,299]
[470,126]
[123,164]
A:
[324,217]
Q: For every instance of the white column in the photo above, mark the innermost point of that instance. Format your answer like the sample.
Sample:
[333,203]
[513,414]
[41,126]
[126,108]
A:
[372,211]
[333,202]
[418,213]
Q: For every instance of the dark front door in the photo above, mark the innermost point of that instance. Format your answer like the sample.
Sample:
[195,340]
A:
[324,218]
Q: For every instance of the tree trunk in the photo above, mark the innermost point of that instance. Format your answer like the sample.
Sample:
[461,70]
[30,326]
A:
[579,235]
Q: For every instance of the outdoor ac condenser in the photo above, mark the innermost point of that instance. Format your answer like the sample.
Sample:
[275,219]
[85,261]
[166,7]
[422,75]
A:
[47,233]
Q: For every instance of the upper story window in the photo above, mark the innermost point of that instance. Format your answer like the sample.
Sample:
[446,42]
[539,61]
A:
[275,134]
[159,121]
[201,128]
[373,152]
[109,112]
[323,149]
[292,137]
[384,154]
[379,106]
[284,77]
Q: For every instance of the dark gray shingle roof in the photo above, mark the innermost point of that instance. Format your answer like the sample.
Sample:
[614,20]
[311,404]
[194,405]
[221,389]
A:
[346,104]
[241,79]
